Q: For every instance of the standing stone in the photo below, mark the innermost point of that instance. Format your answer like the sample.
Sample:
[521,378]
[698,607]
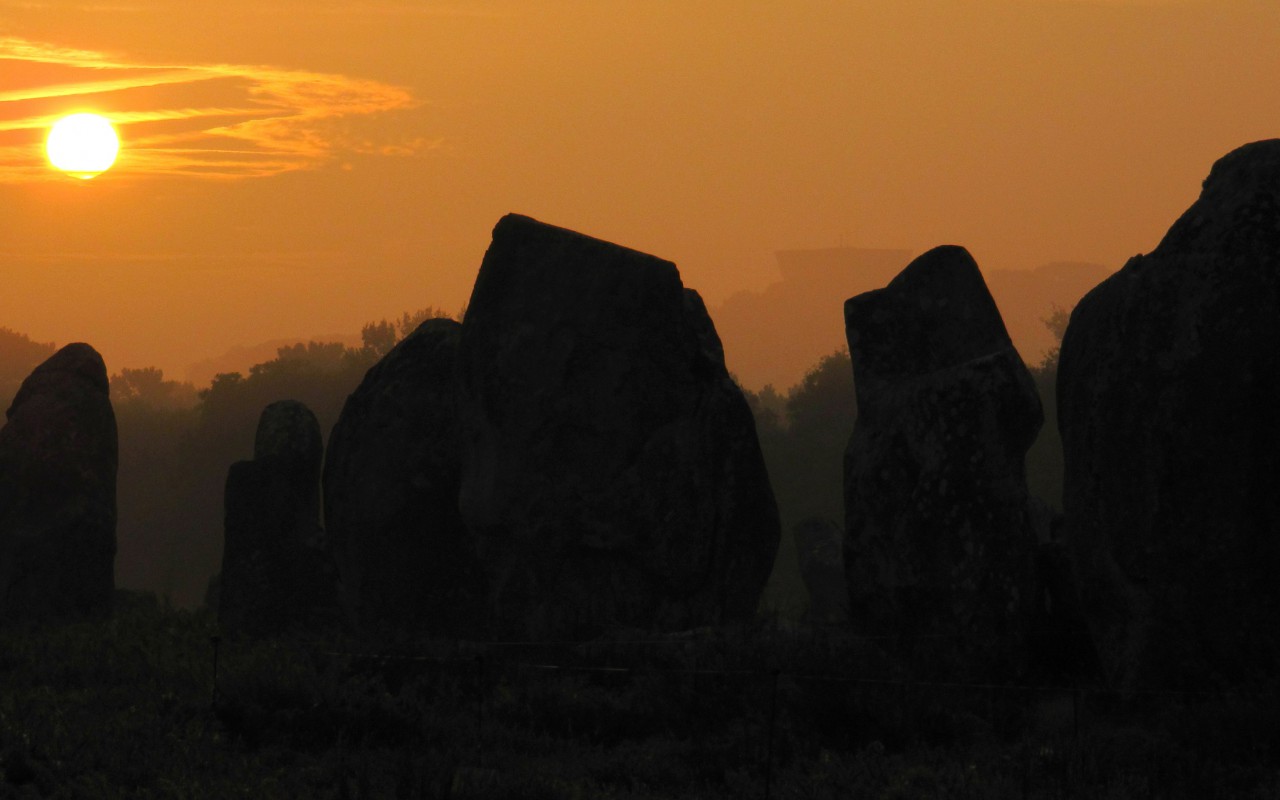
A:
[391,481]
[58,458]
[611,472]
[1168,382]
[820,553]
[275,573]
[939,546]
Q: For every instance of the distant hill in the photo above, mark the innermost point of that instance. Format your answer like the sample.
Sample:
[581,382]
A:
[773,336]
[241,357]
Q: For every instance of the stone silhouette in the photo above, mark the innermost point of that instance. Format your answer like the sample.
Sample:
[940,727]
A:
[939,546]
[820,552]
[1168,382]
[1060,645]
[276,575]
[58,458]
[611,470]
[391,480]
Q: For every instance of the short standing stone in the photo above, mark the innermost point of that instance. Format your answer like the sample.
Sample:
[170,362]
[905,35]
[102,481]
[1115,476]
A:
[611,471]
[939,547]
[1167,400]
[820,553]
[276,575]
[58,458]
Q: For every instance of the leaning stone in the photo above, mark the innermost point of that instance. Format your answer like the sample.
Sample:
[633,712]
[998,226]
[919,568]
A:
[939,549]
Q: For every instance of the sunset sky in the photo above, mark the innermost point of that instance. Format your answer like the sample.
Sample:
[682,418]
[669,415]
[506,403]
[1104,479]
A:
[299,168]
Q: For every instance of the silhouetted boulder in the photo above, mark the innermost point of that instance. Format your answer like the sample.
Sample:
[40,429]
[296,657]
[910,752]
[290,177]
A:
[939,546]
[391,481]
[58,457]
[611,471]
[275,574]
[820,553]
[1168,382]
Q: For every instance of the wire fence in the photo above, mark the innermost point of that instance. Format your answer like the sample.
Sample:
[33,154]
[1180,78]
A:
[484,657]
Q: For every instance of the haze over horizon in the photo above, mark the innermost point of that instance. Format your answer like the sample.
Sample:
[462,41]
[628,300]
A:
[293,169]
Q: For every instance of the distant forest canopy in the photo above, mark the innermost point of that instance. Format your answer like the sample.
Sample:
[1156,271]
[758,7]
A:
[18,356]
[177,443]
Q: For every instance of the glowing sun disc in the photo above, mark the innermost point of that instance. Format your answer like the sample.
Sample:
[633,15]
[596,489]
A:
[82,145]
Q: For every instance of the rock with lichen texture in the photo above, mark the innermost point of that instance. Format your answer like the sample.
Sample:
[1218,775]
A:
[391,479]
[58,460]
[276,576]
[1168,382]
[611,470]
[939,544]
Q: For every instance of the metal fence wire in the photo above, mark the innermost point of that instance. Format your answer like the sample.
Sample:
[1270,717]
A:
[479,655]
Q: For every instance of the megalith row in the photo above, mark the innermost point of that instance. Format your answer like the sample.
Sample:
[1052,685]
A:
[1161,573]
[573,456]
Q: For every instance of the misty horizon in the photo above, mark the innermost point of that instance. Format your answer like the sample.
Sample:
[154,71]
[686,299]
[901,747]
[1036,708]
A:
[314,174]
[829,275]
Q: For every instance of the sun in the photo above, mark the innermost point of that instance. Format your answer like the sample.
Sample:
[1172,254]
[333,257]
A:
[82,145]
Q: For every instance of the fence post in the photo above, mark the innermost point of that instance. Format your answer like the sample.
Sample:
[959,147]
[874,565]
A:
[479,711]
[768,756]
[213,699]
[1075,711]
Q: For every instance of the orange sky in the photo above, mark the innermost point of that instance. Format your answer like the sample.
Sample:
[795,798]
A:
[292,168]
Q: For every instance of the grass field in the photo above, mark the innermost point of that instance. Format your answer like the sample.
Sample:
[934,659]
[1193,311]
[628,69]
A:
[127,708]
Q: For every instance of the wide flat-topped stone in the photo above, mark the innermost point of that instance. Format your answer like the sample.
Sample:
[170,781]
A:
[611,471]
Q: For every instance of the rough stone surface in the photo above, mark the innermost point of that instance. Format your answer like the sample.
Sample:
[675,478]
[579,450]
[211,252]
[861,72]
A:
[611,471]
[820,552]
[276,575]
[391,481]
[58,458]
[939,546]
[1168,382]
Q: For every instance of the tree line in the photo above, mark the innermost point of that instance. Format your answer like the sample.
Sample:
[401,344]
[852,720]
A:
[177,442]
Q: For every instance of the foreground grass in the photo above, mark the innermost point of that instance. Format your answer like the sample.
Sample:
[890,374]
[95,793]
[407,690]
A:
[126,708]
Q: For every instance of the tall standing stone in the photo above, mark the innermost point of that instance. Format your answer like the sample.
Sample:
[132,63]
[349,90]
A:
[58,459]
[939,548]
[611,470]
[391,480]
[276,575]
[1168,382]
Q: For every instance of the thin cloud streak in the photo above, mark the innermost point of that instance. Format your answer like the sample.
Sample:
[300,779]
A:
[100,87]
[289,126]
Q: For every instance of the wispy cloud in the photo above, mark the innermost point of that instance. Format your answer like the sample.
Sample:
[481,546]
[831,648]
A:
[265,120]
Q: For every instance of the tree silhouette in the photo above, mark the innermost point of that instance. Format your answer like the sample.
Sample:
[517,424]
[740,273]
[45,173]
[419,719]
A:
[19,355]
